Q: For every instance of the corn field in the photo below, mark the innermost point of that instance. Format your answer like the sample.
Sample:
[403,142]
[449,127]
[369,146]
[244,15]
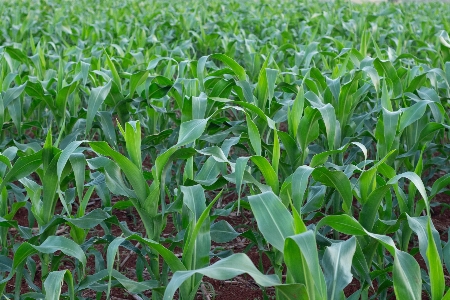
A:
[189,150]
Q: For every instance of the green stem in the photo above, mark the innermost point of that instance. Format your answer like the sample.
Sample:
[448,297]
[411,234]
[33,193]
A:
[61,131]
[149,225]
[4,240]
[2,288]
[406,237]
[154,264]
[336,207]
[18,284]
[45,264]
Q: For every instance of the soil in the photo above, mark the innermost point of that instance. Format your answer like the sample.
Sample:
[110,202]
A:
[239,288]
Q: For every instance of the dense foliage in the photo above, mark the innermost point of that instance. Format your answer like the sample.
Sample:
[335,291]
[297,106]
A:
[327,122]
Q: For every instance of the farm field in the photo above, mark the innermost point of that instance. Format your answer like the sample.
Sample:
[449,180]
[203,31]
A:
[224,150]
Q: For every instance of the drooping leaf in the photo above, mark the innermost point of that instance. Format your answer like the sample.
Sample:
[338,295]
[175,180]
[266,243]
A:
[224,269]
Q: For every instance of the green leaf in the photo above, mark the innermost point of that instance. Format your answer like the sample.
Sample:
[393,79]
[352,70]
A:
[343,223]
[107,125]
[199,106]
[215,152]
[253,134]
[386,67]
[5,160]
[247,91]
[295,114]
[51,245]
[274,220]
[321,158]
[406,271]
[439,185]
[407,279]
[18,55]
[131,286]
[113,247]
[299,184]
[360,265]
[87,221]
[23,167]
[113,177]
[436,271]
[115,74]
[373,76]
[47,151]
[78,162]
[370,208]
[390,121]
[446,296]
[291,148]
[299,225]
[414,178]
[98,95]
[237,69]
[224,269]
[416,83]
[12,94]
[197,240]
[309,127]
[132,172]
[191,131]
[302,261]
[412,114]
[223,232]
[66,246]
[267,171]
[292,291]
[337,262]
[420,226]
[337,180]
[329,118]
[241,163]
[134,286]
[63,96]
[65,155]
[90,220]
[132,135]
[208,173]
[53,284]
[169,257]
[266,85]
[136,80]
[50,185]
